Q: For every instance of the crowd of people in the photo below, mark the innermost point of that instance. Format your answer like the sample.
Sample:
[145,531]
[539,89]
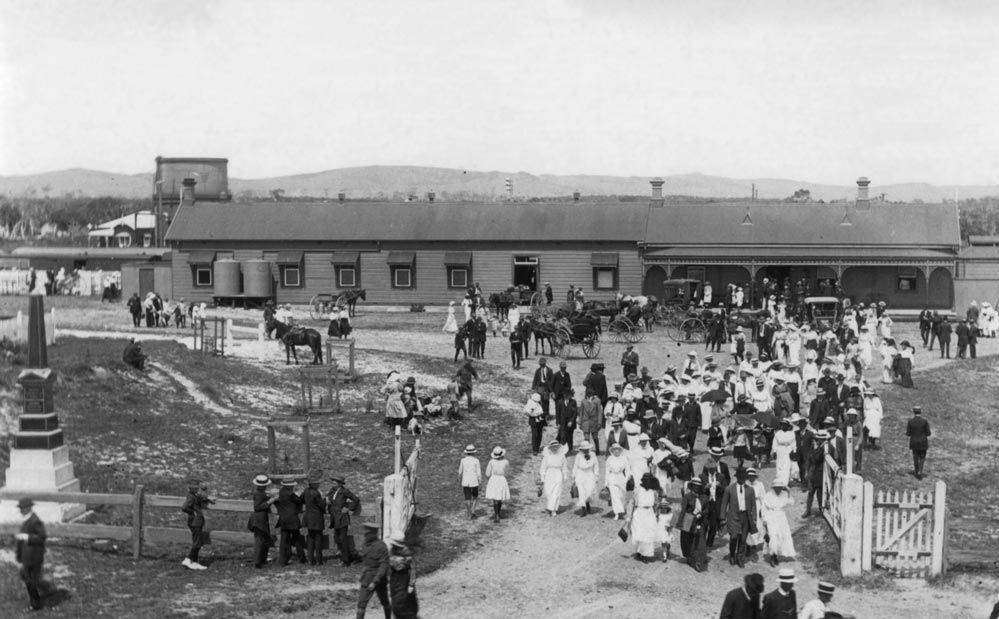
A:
[157,311]
[51,282]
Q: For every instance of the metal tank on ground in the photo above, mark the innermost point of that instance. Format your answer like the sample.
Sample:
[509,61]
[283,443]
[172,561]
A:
[226,278]
[257,280]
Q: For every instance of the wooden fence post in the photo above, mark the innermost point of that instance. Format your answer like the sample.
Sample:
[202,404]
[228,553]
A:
[852,534]
[398,450]
[868,542]
[137,500]
[939,527]
[849,450]
[261,329]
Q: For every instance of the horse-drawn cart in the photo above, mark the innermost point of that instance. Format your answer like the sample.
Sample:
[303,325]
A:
[582,334]
[624,329]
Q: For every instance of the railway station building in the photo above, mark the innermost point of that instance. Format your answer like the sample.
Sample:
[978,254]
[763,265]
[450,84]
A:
[429,252]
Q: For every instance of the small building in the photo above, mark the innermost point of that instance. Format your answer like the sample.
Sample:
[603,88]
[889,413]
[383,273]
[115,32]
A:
[145,277]
[978,273]
[135,230]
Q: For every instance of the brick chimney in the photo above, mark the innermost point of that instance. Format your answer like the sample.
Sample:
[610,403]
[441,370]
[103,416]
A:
[863,201]
[431,196]
[187,191]
[657,192]
[575,196]
[341,197]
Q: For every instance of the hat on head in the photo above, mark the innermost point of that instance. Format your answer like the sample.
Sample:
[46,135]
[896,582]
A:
[594,367]
[696,481]
[585,446]
[536,397]
[796,418]
[649,414]
[786,575]
[664,505]
[752,472]
[759,380]
[742,397]
[610,396]
[616,422]
[870,392]
[498,452]
[709,357]
[822,435]
[398,538]
[718,452]
[829,420]
[827,587]
[643,437]
[469,449]
[632,377]
[616,446]
[563,364]
[338,478]
[852,411]
[740,474]
[263,480]
[779,484]
[820,391]
[21,504]
[629,346]
[288,480]
[315,476]
[554,444]
[684,378]
[710,464]
[692,354]
[918,410]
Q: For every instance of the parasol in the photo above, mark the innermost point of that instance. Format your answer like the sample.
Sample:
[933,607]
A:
[744,421]
[765,418]
[716,395]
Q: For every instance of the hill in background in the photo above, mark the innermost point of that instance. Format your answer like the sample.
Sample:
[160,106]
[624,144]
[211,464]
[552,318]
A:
[391,182]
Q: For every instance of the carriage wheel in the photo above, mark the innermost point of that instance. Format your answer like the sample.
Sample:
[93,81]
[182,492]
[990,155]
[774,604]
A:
[591,347]
[537,301]
[635,334]
[693,331]
[341,302]
[618,327]
[317,307]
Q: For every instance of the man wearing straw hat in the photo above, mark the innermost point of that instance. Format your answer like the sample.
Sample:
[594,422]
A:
[816,609]
[341,503]
[470,476]
[816,469]
[782,602]
[374,578]
[259,522]
[30,551]
[314,519]
[289,504]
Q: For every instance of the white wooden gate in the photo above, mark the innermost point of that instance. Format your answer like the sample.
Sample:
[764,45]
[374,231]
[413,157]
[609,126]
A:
[908,531]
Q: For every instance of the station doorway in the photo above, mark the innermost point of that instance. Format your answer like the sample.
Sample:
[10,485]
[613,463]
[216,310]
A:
[525,271]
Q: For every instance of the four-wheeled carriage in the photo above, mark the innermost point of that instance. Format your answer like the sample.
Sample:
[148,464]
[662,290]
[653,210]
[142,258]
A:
[623,329]
[823,313]
[582,334]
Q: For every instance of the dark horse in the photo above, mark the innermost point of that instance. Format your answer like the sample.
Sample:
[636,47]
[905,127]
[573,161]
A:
[502,301]
[350,297]
[294,336]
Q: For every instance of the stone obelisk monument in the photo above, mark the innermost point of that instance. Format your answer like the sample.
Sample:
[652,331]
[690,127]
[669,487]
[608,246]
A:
[39,461]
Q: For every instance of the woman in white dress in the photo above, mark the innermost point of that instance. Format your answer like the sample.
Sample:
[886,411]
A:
[884,325]
[450,325]
[887,351]
[585,472]
[783,445]
[645,530]
[640,451]
[497,489]
[553,471]
[793,342]
[466,305]
[660,456]
[873,414]
[775,522]
[617,472]
[866,343]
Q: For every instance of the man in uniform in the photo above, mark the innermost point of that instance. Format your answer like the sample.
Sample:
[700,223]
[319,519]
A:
[315,518]
[542,383]
[194,503]
[816,609]
[289,504]
[30,551]
[374,578]
[744,602]
[629,361]
[782,603]
[918,431]
[341,504]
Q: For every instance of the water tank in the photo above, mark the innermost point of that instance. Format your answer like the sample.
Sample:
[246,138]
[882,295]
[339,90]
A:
[225,275]
[257,279]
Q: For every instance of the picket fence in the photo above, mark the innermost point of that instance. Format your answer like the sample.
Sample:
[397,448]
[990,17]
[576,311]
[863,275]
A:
[399,498]
[15,328]
[904,533]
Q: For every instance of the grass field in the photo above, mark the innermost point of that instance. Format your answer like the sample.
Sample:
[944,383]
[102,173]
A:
[125,428]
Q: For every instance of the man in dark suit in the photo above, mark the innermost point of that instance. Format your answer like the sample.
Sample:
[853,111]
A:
[925,318]
[715,484]
[596,382]
[259,522]
[691,420]
[918,431]
[842,394]
[819,409]
[193,505]
[738,508]
[30,551]
[827,384]
[617,435]
[943,334]
[341,504]
[935,321]
[561,382]
[744,602]
[962,331]
[374,578]
[781,603]
[315,518]
[542,383]
[289,504]
[566,412]
[660,426]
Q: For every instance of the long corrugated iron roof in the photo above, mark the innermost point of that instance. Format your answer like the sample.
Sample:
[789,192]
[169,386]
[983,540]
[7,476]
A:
[884,224]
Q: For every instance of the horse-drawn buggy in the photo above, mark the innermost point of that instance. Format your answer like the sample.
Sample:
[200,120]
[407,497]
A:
[322,305]
[568,331]
[823,313]
[683,322]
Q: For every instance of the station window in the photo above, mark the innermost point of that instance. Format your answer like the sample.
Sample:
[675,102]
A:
[604,278]
[402,277]
[457,277]
[203,276]
[907,279]
[346,277]
[291,276]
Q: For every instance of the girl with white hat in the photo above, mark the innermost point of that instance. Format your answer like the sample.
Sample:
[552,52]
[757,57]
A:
[778,531]
[470,476]
[497,489]
[585,471]
[617,472]
[553,471]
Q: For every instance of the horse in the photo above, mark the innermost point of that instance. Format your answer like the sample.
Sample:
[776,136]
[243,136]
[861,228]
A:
[292,337]
[502,302]
[350,299]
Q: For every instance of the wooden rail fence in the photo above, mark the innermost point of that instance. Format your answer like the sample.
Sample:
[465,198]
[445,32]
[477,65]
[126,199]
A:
[137,533]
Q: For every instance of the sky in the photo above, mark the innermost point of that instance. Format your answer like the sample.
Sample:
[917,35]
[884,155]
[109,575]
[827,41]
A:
[814,91]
